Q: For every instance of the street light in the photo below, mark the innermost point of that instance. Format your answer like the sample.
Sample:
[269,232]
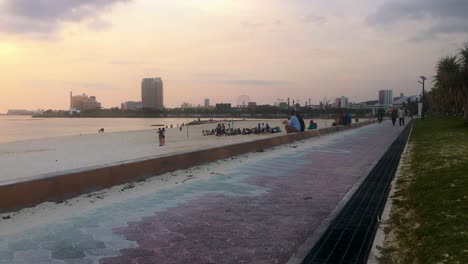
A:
[422,96]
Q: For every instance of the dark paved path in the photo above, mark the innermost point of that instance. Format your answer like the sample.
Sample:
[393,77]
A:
[257,212]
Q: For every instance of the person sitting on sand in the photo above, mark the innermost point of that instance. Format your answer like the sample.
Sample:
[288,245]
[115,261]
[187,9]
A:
[312,125]
[292,125]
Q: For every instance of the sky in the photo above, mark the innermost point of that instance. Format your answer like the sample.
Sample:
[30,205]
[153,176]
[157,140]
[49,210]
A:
[221,49]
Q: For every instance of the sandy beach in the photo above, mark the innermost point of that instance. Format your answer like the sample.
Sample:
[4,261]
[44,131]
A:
[32,158]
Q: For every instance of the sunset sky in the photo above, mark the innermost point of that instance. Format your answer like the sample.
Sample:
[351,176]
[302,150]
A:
[220,49]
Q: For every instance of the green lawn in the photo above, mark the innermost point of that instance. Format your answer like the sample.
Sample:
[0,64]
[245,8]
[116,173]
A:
[429,219]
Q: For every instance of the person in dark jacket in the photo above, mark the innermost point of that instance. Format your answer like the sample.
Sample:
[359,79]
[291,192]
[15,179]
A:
[301,120]
[394,116]
[380,115]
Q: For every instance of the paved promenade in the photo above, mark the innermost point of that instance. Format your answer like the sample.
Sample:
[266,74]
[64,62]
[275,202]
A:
[257,208]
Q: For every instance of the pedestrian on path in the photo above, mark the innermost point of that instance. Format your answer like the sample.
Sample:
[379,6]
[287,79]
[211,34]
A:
[380,115]
[394,116]
[401,115]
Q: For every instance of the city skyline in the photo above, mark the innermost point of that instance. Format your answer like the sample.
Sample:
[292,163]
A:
[221,49]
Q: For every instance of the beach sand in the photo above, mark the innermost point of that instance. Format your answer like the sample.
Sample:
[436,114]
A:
[25,159]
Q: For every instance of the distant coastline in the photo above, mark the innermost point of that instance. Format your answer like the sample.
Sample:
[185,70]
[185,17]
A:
[173,113]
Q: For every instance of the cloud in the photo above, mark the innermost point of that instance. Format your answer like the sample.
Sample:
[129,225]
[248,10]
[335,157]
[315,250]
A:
[98,24]
[229,79]
[70,85]
[46,16]
[251,24]
[314,19]
[254,82]
[126,62]
[447,17]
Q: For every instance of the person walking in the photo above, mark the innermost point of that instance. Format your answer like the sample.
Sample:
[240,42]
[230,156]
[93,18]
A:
[401,115]
[162,136]
[380,115]
[394,116]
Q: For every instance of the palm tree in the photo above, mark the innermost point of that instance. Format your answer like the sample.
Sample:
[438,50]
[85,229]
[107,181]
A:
[464,78]
[446,81]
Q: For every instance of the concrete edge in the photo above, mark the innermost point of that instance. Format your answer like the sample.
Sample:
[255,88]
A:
[380,235]
[15,195]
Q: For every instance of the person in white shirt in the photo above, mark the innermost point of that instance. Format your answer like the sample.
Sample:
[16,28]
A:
[401,115]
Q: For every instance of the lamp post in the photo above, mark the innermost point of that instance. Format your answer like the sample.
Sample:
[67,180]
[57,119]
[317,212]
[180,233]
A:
[422,96]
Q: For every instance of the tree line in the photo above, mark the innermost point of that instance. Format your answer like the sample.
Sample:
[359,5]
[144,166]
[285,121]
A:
[449,94]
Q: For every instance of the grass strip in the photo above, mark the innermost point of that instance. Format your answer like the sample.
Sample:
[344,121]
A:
[429,218]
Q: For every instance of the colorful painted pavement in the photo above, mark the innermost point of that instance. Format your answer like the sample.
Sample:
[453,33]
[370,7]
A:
[257,212]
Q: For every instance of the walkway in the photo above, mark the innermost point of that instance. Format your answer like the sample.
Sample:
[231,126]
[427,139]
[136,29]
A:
[257,208]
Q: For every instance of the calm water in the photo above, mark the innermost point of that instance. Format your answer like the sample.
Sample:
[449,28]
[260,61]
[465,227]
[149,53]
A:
[16,128]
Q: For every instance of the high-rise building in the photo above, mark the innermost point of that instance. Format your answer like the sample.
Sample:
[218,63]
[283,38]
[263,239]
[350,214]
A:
[386,97]
[152,93]
[207,103]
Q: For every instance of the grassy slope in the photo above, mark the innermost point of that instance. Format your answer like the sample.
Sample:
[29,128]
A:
[429,220]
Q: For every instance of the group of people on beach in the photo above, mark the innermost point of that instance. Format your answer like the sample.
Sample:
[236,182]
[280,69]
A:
[223,130]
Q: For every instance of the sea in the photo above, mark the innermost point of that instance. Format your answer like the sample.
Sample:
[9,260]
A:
[19,128]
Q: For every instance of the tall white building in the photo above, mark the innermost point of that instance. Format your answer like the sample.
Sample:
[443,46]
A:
[152,93]
[344,102]
[207,103]
[386,97]
[341,102]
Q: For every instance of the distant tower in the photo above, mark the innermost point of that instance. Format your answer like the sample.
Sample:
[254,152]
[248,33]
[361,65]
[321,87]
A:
[386,97]
[152,93]
[71,98]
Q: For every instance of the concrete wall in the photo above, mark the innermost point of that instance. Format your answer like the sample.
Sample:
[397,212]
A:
[64,185]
